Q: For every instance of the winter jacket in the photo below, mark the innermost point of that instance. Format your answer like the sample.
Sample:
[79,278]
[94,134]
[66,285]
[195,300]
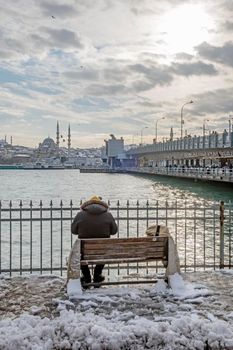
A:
[94,221]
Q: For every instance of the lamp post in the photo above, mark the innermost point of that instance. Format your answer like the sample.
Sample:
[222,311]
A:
[204,130]
[230,128]
[145,127]
[156,128]
[181,118]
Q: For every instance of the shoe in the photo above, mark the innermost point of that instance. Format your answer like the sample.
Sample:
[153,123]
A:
[84,281]
[99,279]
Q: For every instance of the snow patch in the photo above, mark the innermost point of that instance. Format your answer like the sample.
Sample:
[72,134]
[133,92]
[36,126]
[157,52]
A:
[159,287]
[74,288]
[186,290]
[72,330]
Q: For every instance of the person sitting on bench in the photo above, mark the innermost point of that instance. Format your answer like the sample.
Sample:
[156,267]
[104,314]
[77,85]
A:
[93,221]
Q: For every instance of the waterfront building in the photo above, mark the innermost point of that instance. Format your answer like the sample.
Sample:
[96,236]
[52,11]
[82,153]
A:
[3,144]
[113,148]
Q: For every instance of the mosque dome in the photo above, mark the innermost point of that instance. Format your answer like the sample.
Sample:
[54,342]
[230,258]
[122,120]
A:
[48,142]
[47,146]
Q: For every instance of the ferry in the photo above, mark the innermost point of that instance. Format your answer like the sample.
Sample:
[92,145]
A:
[10,167]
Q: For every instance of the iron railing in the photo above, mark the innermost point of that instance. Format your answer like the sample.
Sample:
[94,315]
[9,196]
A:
[38,238]
[207,174]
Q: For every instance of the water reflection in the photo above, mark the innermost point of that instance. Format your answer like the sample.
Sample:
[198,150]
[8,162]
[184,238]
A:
[65,185]
[173,188]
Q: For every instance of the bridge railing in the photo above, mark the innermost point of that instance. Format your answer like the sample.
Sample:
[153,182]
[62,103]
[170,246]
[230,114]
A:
[37,238]
[225,174]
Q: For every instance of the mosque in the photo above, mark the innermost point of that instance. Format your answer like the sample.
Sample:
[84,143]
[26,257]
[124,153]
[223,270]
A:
[51,148]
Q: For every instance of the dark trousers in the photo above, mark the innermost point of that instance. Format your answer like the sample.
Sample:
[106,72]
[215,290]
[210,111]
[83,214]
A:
[86,271]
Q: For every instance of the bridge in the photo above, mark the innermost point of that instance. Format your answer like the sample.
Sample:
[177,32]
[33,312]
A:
[198,151]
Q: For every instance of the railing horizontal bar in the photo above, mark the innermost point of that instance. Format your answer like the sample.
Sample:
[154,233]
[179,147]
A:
[37,269]
[34,269]
[13,209]
[122,218]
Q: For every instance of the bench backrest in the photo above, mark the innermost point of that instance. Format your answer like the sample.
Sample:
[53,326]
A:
[110,250]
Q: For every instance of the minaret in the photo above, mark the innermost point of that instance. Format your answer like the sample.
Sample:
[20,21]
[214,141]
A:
[171,134]
[11,141]
[58,135]
[69,138]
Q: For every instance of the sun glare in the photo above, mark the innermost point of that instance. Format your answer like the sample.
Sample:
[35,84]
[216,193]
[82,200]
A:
[184,27]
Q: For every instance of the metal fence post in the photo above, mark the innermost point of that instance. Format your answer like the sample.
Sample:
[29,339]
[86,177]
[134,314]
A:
[221,218]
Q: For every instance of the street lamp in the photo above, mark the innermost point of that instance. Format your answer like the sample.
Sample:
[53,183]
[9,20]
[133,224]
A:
[230,122]
[156,128]
[181,118]
[204,130]
[230,128]
[204,126]
[133,136]
[145,127]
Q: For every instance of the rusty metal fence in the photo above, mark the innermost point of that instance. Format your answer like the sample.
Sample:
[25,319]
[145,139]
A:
[37,239]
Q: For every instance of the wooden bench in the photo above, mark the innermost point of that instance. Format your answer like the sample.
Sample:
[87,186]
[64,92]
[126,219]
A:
[123,250]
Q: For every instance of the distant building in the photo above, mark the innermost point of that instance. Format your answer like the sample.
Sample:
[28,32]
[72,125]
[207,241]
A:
[47,147]
[114,147]
[3,143]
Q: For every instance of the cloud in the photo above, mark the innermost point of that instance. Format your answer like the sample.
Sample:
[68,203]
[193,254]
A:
[221,54]
[214,102]
[195,68]
[156,75]
[82,74]
[63,38]
[227,5]
[6,54]
[184,56]
[228,26]
[50,8]
[105,89]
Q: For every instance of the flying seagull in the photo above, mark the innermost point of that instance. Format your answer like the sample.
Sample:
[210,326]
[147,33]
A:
[53,17]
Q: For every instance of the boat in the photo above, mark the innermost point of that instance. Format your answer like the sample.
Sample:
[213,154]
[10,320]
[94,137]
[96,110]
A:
[10,167]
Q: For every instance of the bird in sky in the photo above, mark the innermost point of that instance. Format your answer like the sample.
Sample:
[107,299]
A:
[53,17]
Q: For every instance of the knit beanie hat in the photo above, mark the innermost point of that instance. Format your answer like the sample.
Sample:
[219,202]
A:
[95,198]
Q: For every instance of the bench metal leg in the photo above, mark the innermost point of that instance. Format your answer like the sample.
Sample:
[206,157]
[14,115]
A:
[115,283]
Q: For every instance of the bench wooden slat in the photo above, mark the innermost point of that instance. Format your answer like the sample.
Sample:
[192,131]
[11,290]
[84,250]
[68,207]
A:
[131,245]
[124,250]
[118,261]
[103,241]
[158,255]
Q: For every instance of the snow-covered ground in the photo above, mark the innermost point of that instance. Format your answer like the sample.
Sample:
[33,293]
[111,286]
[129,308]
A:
[197,313]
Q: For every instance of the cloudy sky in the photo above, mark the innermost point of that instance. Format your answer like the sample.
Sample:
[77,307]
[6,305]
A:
[114,67]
